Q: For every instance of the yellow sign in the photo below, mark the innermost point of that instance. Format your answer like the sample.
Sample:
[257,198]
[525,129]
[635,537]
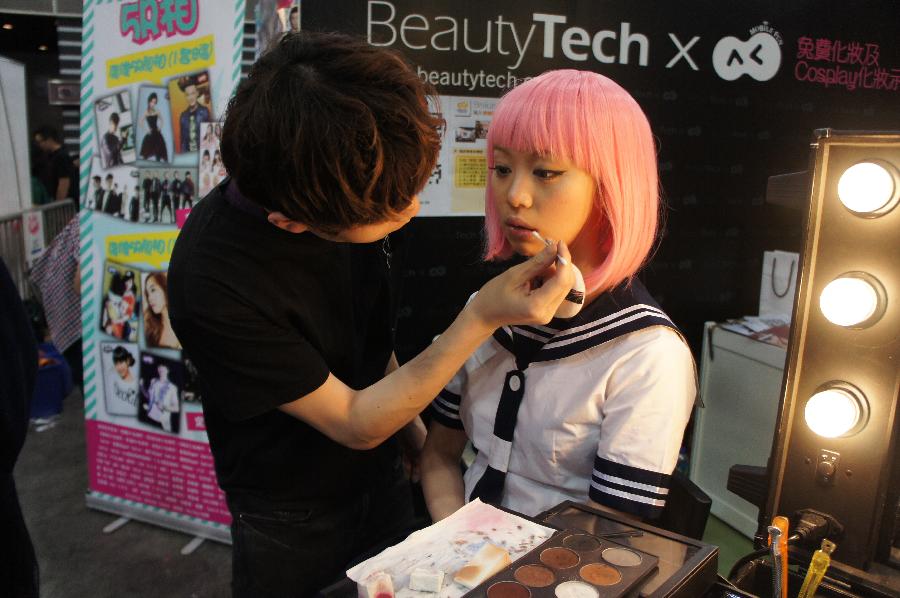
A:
[151,248]
[161,63]
[470,170]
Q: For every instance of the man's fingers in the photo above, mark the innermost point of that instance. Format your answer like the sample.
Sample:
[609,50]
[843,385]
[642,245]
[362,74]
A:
[555,288]
[537,264]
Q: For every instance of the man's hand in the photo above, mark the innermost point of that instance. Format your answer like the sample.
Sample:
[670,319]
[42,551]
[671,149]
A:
[529,293]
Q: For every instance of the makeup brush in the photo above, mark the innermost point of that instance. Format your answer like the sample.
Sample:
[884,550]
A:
[559,258]
[574,301]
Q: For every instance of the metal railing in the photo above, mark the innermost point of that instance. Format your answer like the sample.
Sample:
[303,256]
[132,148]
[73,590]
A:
[12,242]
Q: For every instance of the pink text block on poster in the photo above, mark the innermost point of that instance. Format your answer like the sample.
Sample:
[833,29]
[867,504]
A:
[155,469]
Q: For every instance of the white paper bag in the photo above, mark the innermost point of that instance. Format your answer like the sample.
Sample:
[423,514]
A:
[779,284]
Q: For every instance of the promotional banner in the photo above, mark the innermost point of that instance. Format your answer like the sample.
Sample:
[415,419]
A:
[156,77]
[733,91]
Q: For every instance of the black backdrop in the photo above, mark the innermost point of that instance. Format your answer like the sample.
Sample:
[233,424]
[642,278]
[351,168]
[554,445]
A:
[719,140]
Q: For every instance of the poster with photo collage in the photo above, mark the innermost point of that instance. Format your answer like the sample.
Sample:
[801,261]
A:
[155,80]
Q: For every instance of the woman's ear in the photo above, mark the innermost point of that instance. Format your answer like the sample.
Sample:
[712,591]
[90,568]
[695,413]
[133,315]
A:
[285,223]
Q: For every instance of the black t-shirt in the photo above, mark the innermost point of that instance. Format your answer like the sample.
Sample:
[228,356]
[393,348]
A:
[265,315]
[59,166]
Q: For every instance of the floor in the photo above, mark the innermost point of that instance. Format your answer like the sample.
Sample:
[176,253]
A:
[732,544]
[75,556]
[139,560]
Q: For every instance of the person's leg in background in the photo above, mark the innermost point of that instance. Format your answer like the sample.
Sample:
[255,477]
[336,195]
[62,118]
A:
[74,358]
[18,372]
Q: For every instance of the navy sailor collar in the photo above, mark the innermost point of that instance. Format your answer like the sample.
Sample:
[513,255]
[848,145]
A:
[624,309]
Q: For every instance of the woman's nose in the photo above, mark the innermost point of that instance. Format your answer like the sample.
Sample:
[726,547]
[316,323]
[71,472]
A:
[519,193]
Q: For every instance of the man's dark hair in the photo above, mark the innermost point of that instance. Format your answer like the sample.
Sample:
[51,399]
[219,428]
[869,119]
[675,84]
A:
[331,131]
[114,118]
[187,81]
[96,178]
[121,354]
[109,177]
[48,132]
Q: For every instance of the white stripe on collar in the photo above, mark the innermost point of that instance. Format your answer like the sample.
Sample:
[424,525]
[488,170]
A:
[569,339]
[613,316]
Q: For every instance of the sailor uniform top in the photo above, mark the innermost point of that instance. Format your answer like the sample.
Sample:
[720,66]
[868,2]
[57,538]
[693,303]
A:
[593,407]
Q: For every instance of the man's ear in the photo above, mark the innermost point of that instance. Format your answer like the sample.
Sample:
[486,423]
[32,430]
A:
[285,223]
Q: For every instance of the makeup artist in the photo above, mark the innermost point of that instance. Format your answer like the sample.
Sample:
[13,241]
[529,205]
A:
[280,293]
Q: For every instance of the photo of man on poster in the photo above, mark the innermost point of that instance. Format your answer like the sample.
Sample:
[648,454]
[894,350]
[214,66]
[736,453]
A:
[194,92]
[160,386]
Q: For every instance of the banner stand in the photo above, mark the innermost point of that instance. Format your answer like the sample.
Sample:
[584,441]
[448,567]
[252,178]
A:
[156,77]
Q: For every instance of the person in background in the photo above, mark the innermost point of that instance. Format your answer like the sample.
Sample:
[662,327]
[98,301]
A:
[18,373]
[294,19]
[59,173]
[591,408]
[57,275]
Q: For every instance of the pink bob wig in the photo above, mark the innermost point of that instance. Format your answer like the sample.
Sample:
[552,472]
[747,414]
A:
[590,120]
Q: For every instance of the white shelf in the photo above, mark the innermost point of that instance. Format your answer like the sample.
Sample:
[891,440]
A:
[740,383]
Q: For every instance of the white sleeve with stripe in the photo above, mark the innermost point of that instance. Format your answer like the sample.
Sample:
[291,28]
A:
[648,402]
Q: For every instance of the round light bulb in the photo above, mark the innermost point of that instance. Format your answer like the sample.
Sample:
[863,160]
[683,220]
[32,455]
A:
[832,412]
[849,300]
[866,187]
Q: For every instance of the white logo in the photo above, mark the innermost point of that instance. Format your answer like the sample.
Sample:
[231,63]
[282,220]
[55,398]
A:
[758,57]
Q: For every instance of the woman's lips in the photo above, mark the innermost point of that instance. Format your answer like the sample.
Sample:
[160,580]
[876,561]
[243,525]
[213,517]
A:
[519,230]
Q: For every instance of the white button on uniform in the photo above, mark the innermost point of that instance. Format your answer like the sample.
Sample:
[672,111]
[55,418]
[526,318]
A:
[515,383]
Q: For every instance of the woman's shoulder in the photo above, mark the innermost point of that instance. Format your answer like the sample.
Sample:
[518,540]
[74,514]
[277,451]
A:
[656,343]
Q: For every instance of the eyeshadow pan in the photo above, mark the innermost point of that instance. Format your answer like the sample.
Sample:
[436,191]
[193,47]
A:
[622,557]
[600,574]
[508,589]
[559,558]
[582,543]
[535,576]
[576,589]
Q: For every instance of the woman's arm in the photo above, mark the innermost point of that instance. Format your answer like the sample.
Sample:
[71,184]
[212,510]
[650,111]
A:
[442,480]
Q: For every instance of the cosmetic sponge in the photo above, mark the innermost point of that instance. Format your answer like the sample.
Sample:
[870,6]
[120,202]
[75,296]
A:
[376,585]
[574,301]
[426,580]
[488,560]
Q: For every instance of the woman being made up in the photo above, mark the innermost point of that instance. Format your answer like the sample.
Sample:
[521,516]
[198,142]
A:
[591,408]
[153,146]
[157,327]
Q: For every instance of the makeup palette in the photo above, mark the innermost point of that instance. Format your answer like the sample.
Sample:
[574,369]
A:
[571,564]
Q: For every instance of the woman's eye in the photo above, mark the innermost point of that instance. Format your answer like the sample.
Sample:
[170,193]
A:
[501,170]
[546,174]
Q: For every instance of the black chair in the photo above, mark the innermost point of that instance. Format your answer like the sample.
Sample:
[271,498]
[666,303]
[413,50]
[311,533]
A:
[687,508]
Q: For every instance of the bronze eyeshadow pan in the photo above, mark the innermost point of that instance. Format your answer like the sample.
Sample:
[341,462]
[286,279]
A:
[571,564]
[535,576]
